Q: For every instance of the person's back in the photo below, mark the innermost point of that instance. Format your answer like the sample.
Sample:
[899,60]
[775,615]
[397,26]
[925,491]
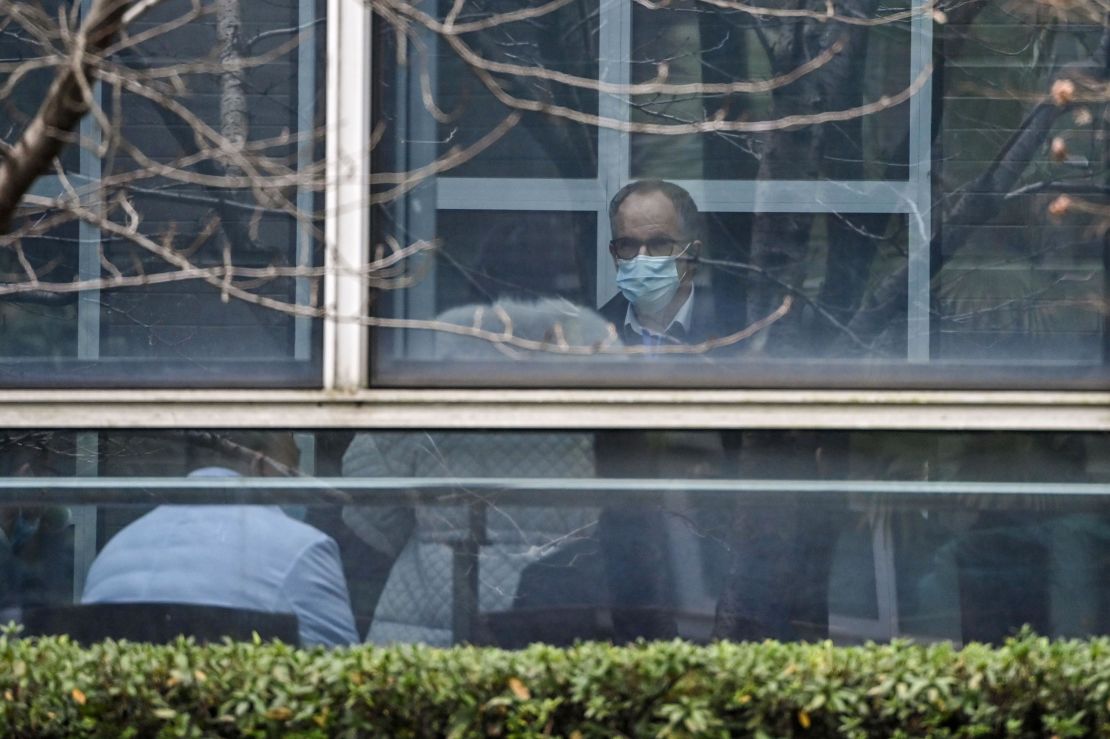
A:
[228,555]
[238,556]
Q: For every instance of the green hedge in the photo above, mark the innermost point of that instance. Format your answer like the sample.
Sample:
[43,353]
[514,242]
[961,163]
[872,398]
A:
[1031,687]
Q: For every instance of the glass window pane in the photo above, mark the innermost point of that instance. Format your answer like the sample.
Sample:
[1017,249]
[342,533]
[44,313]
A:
[45,327]
[25,53]
[431,106]
[192,218]
[891,197]
[513,537]
[716,48]
[533,274]
[520,259]
[1019,275]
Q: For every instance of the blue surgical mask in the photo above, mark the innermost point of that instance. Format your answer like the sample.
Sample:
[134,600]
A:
[649,283]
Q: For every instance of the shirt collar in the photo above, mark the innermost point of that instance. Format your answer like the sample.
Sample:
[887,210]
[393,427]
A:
[681,318]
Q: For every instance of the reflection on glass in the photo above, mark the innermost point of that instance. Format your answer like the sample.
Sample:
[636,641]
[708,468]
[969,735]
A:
[564,41]
[884,197]
[514,537]
[1018,278]
[40,325]
[191,179]
[678,284]
[713,48]
[432,107]
[24,45]
[488,255]
[36,538]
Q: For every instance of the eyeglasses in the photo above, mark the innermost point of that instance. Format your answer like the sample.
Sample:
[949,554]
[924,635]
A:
[629,248]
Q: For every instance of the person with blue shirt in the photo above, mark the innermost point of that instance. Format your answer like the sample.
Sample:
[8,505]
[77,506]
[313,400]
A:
[236,556]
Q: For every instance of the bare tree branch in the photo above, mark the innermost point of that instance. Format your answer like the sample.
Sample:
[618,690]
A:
[65,105]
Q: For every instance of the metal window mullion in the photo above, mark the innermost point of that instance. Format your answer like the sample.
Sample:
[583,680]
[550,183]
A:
[347,227]
[398,139]
[728,196]
[920,159]
[306,445]
[366,489]
[613,147]
[905,410]
[88,333]
[88,237]
[306,111]
[418,209]
[801,196]
[518,193]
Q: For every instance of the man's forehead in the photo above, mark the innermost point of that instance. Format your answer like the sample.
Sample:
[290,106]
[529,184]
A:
[647,209]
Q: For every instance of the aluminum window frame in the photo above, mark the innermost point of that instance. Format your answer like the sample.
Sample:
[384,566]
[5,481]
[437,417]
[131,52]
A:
[558,409]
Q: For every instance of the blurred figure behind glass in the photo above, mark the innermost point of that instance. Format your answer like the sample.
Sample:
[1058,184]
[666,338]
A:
[237,556]
[36,542]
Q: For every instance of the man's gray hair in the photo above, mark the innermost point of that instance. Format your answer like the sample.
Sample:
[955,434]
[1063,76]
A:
[689,219]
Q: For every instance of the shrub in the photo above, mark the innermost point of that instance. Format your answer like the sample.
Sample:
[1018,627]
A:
[1030,687]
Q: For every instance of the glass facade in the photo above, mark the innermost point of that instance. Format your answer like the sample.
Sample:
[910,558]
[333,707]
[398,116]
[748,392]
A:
[612,223]
[876,198]
[512,537]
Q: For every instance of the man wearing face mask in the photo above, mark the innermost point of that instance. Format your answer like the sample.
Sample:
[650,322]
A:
[656,243]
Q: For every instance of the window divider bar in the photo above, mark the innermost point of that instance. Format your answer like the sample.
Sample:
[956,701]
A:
[347,229]
[539,194]
[886,588]
[918,329]
[801,196]
[366,488]
[732,196]
[561,409]
[613,146]
[306,149]
[417,211]
[88,236]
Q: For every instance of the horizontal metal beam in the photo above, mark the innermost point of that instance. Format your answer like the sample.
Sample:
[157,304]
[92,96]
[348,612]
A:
[558,409]
[712,196]
[503,490]
[472,193]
